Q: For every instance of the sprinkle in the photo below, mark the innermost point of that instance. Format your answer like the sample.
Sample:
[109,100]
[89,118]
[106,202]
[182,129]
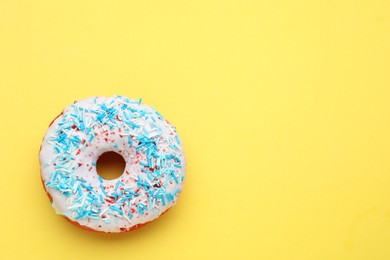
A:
[81,215]
[143,164]
[81,180]
[80,192]
[89,188]
[141,208]
[117,185]
[177,139]
[115,208]
[91,138]
[103,190]
[158,114]
[174,177]
[176,191]
[170,197]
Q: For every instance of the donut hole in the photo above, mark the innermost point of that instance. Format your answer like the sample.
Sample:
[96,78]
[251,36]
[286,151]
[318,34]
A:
[110,165]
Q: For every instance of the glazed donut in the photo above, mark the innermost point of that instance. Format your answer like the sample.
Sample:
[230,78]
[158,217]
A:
[153,176]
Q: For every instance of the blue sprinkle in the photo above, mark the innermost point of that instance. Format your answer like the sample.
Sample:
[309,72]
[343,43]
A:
[176,191]
[141,183]
[91,137]
[133,125]
[89,188]
[141,208]
[127,116]
[82,126]
[101,116]
[79,191]
[169,197]
[177,139]
[174,177]
[143,164]
[94,217]
[103,190]
[82,215]
[159,115]
[116,185]
[116,209]
[81,180]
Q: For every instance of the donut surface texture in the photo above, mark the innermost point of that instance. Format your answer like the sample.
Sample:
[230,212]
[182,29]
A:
[153,176]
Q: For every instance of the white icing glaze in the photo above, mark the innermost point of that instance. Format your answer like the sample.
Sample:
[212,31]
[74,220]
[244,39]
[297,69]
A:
[152,187]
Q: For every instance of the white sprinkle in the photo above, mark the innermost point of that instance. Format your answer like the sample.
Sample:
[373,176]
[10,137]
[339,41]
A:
[107,208]
[125,217]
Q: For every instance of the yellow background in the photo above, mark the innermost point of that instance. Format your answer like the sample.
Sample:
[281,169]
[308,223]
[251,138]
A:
[283,108]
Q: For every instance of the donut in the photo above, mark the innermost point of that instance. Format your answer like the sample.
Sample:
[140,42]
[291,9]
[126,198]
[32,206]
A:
[150,146]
